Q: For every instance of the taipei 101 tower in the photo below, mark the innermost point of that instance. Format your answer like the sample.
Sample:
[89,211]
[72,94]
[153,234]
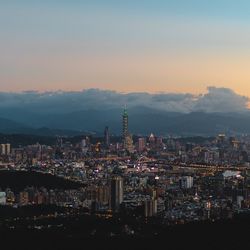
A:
[127,138]
[125,132]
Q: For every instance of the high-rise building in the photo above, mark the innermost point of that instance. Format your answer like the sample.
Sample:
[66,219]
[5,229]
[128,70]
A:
[159,142]
[59,142]
[150,207]
[2,198]
[107,137]
[5,149]
[84,143]
[152,140]
[98,194]
[186,182]
[116,193]
[125,132]
[103,194]
[127,138]
[128,143]
[141,144]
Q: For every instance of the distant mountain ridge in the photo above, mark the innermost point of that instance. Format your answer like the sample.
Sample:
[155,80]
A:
[219,110]
[12,127]
[142,120]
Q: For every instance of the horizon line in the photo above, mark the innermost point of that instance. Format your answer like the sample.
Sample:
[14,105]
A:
[26,91]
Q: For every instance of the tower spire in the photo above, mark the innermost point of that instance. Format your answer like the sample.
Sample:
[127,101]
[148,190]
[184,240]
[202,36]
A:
[125,111]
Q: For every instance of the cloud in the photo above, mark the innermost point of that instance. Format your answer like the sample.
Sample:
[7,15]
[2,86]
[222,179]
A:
[221,100]
[215,100]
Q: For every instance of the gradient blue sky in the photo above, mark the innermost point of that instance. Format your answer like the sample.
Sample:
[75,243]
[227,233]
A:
[139,45]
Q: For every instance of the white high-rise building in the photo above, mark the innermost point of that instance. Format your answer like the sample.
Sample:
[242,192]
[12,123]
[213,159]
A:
[116,193]
[2,198]
[5,149]
[186,182]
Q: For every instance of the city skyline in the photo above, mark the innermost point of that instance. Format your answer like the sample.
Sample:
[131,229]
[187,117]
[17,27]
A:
[170,46]
[124,124]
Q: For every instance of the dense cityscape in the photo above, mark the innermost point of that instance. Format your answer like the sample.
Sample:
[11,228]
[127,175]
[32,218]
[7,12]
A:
[176,180]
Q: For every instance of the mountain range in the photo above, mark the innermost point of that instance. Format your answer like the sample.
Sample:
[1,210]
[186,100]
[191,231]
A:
[142,120]
[220,110]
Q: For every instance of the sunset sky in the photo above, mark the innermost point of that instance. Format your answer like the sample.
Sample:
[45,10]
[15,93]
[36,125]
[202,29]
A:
[125,45]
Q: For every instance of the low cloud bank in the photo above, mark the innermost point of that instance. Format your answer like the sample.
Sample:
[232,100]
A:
[222,100]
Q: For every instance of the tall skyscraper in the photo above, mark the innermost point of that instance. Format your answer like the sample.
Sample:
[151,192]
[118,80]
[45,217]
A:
[125,132]
[127,138]
[107,137]
[116,193]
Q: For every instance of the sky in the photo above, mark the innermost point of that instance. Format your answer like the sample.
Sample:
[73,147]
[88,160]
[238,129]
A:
[176,46]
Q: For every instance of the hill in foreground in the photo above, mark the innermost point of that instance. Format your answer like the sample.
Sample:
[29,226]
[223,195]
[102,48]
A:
[18,180]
